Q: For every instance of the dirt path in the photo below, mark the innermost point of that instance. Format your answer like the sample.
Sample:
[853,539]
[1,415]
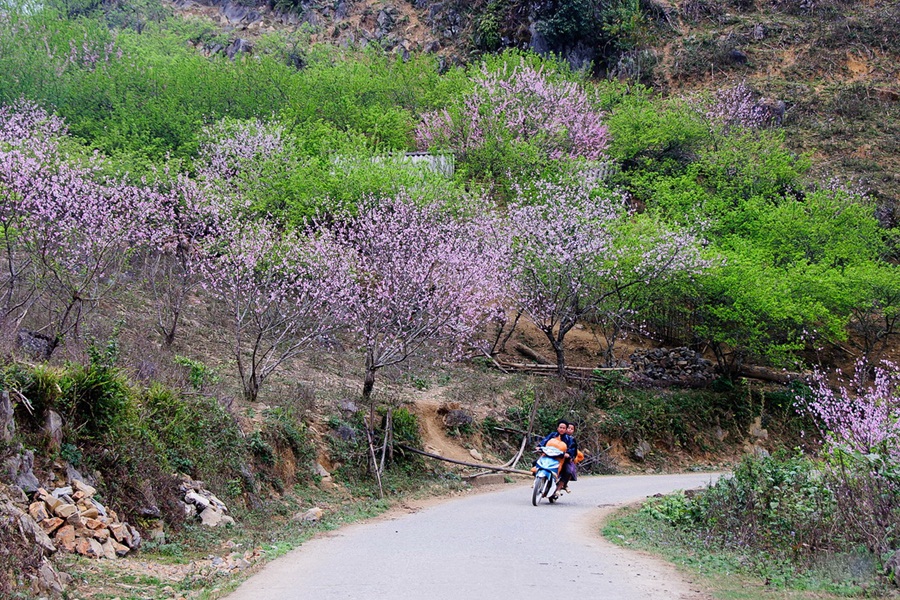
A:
[434,432]
[494,545]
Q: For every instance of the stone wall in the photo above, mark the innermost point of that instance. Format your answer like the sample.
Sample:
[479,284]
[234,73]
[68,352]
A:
[671,367]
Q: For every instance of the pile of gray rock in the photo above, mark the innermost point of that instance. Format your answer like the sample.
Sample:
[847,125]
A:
[203,504]
[75,521]
[671,366]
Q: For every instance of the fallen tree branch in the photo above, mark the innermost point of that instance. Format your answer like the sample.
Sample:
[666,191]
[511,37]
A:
[568,368]
[510,430]
[767,374]
[532,354]
[494,360]
[462,462]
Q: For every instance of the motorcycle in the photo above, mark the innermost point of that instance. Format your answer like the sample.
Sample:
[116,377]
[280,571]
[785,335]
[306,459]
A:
[546,472]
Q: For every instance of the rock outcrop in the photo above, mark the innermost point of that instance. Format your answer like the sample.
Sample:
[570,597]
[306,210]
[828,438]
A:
[672,367]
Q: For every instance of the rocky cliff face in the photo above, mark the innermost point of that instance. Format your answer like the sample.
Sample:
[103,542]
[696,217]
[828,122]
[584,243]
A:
[436,27]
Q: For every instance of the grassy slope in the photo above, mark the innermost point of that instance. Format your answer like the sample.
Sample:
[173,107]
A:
[836,69]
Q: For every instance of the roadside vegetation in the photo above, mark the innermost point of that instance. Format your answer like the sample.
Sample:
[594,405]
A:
[192,244]
[821,520]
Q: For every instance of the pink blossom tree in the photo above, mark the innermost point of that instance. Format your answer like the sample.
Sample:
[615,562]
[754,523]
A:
[74,234]
[420,278]
[28,142]
[576,251]
[81,236]
[741,106]
[177,229]
[280,291]
[517,125]
[233,165]
[860,426]
[247,162]
[522,105]
[860,419]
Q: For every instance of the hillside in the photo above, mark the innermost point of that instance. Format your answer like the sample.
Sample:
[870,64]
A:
[832,63]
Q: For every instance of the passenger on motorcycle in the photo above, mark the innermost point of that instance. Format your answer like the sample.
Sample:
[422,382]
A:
[569,470]
[562,426]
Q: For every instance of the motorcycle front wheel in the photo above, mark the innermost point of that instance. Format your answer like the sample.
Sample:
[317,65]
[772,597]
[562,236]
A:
[536,491]
[546,492]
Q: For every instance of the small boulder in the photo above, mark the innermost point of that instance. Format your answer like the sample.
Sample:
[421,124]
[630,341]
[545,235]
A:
[121,534]
[84,488]
[211,516]
[64,511]
[312,515]
[53,427]
[29,528]
[50,525]
[109,550]
[217,503]
[49,581]
[38,511]
[101,535]
[7,422]
[89,512]
[120,549]
[89,547]
[20,469]
[65,538]
[194,498]
[62,492]
[51,502]
[641,451]
[135,536]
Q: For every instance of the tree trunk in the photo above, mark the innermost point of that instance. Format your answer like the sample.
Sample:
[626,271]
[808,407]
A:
[251,388]
[368,382]
[370,437]
[560,359]
[169,332]
[368,386]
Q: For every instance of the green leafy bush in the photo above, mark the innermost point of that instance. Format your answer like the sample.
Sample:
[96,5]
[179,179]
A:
[199,375]
[677,418]
[97,397]
[780,504]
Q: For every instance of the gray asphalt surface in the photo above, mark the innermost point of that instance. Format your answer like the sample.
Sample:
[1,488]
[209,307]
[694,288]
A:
[491,546]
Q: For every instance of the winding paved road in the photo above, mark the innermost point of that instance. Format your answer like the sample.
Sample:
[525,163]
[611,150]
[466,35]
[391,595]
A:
[491,546]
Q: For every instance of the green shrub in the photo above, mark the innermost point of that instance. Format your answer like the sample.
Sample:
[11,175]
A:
[281,429]
[347,445]
[677,418]
[97,398]
[261,449]
[199,375]
[406,427]
[779,504]
[39,390]
[197,435]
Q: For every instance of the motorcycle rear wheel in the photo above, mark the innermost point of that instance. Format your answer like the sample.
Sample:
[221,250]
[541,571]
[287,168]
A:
[536,491]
